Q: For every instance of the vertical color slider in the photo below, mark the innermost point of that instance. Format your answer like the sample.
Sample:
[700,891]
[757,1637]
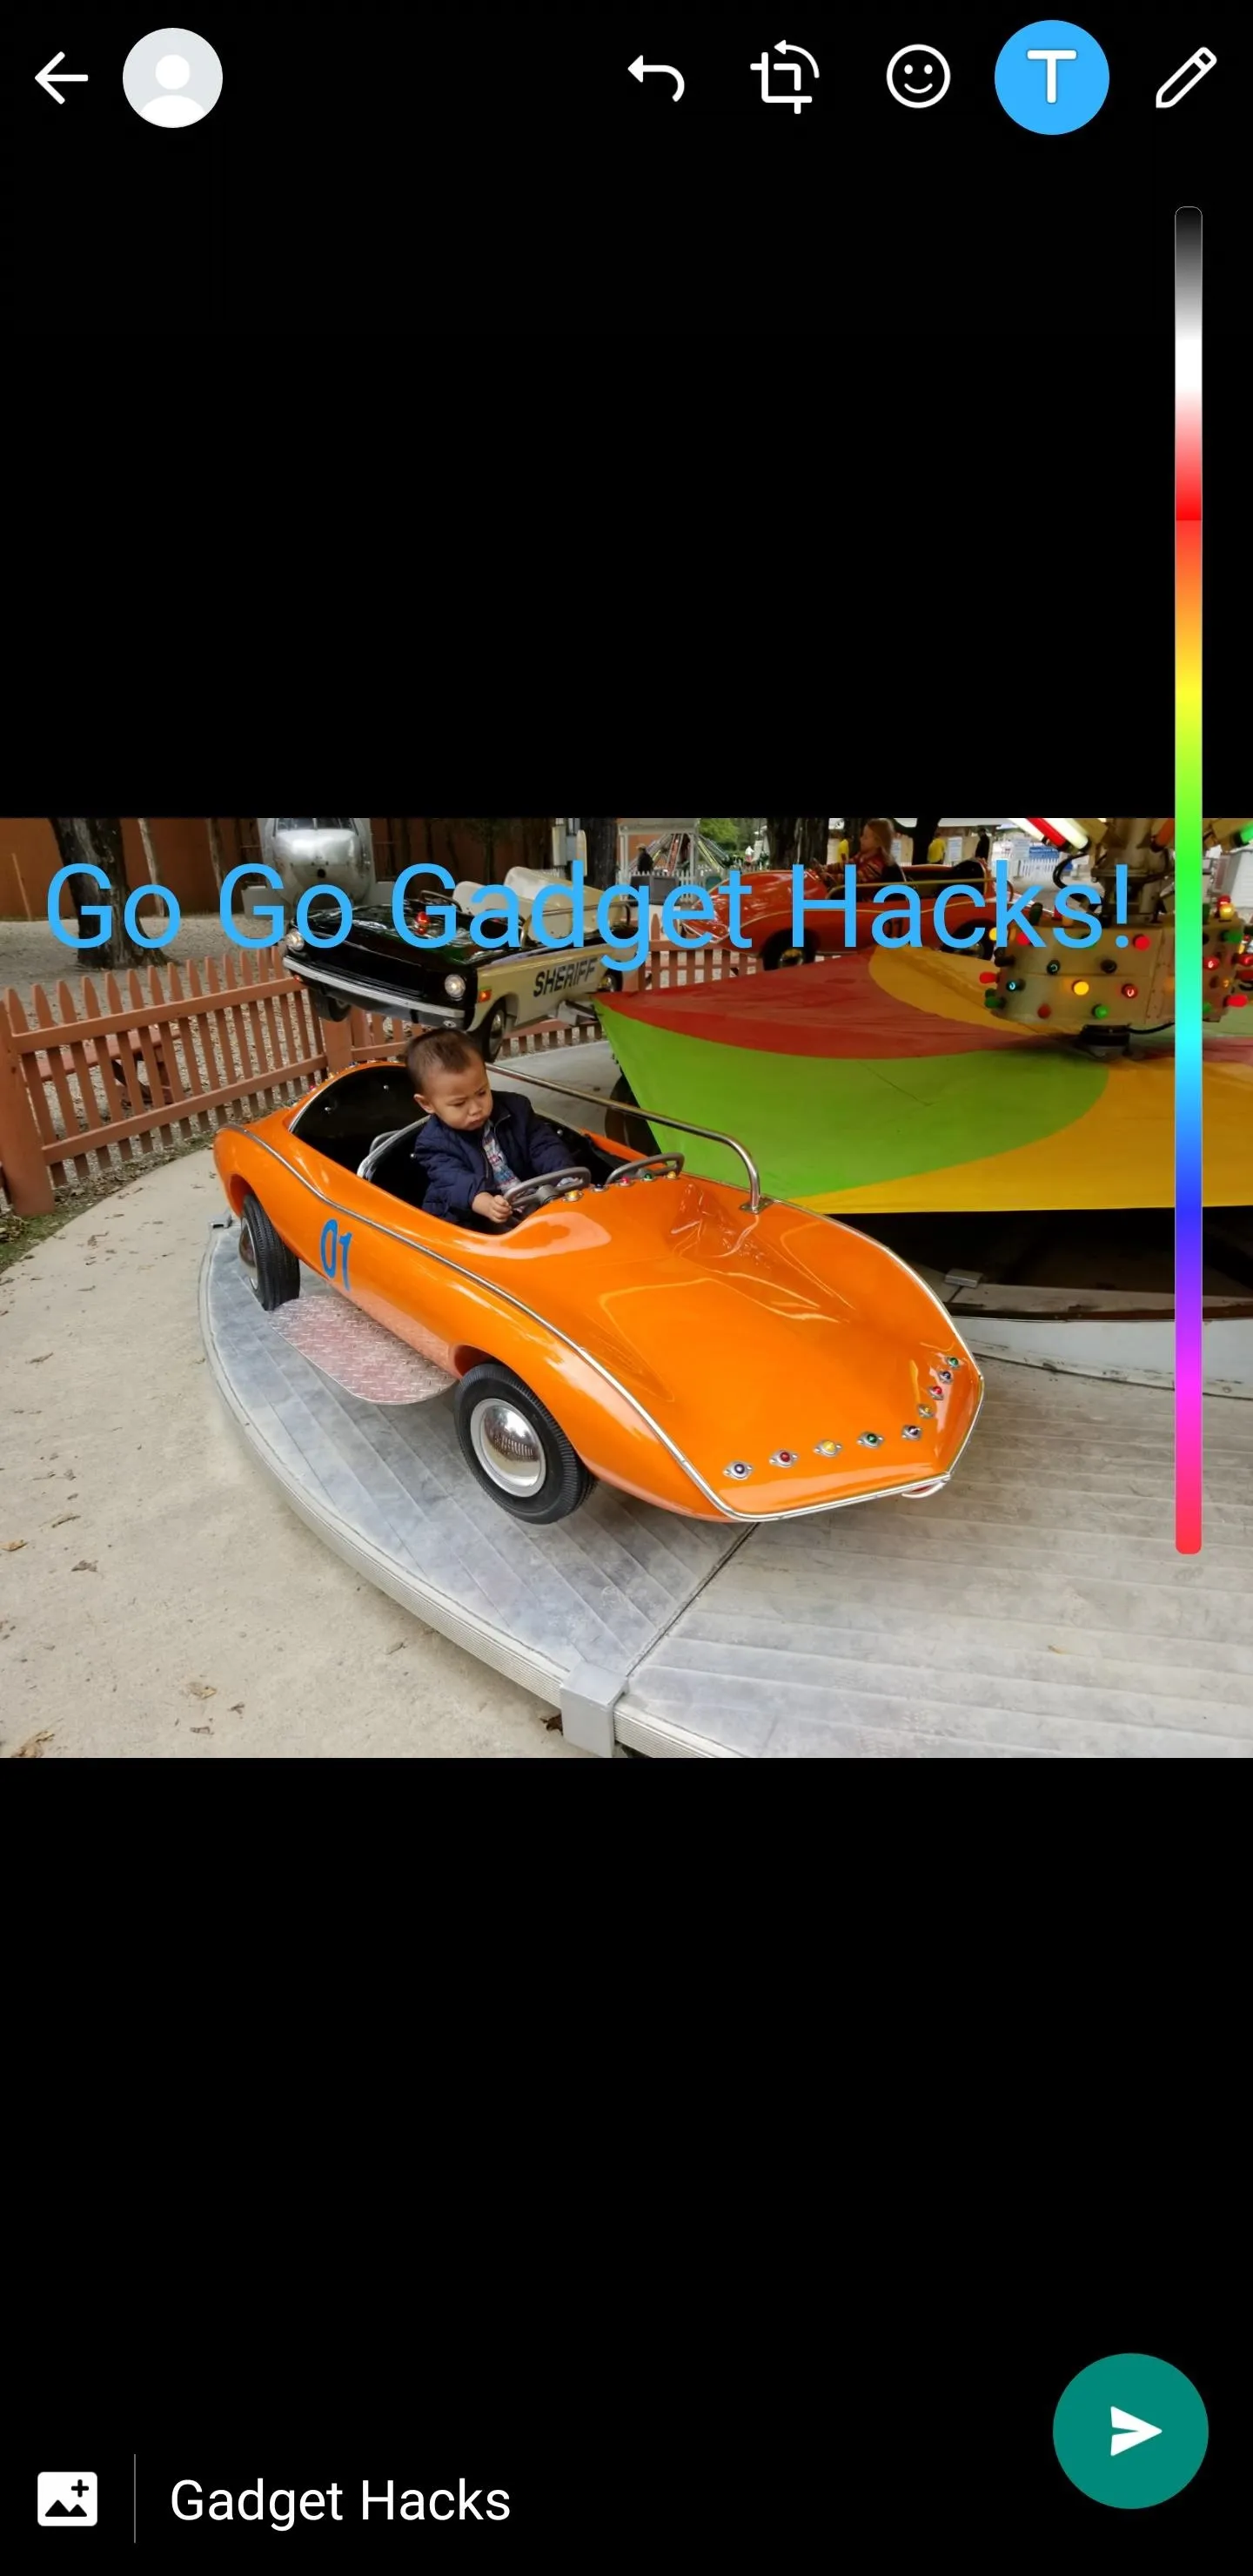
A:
[1189,1189]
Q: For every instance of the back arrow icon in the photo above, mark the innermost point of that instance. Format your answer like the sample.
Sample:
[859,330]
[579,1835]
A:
[638,69]
[45,83]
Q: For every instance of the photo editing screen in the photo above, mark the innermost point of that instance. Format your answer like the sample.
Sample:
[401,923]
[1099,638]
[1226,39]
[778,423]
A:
[544,1287]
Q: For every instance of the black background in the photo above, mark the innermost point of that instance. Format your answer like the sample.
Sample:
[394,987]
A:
[843,438]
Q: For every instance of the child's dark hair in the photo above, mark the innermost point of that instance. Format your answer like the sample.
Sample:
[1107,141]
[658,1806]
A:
[441,1051]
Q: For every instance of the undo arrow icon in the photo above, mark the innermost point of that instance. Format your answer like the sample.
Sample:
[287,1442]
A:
[1134,2430]
[638,68]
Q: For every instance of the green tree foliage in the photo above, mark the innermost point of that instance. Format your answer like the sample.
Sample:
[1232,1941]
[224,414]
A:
[727,833]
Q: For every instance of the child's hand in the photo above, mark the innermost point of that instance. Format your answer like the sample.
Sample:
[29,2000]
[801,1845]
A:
[488,1204]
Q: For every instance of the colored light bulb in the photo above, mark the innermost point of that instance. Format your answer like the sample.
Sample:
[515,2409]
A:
[1141,939]
[989,978]
[1054,966]
[1100,1012]
[1081,986]
[1045,1011]
[1014,984]
[1129,992]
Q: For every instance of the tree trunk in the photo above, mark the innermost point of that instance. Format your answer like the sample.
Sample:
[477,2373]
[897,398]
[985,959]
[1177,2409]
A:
[602,848]
[97,841]
[797,840]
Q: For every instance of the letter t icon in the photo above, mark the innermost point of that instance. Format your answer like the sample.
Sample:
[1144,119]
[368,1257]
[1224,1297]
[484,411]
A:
[1051,56]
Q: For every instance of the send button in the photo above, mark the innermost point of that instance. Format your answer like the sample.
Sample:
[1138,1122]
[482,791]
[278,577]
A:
[1130,2431]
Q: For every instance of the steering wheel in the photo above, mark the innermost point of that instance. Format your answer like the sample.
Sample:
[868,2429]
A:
[657,1167]
[524,1197]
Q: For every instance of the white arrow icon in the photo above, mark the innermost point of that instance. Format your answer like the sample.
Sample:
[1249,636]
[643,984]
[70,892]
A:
[45,83]
[1134,2430]
[639,67]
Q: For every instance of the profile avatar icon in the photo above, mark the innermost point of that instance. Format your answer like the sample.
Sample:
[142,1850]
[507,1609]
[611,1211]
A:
[172,77]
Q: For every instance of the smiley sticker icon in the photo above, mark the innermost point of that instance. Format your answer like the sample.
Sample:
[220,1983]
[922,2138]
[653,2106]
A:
[918,76]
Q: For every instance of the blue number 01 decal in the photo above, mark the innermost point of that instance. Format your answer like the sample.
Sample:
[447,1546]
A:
[335,1246]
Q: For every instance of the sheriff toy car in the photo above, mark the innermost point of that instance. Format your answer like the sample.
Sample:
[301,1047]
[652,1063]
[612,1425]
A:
[706,1349]
[462,983]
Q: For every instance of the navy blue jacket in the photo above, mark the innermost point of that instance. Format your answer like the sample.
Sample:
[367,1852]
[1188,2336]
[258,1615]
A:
[456,1165]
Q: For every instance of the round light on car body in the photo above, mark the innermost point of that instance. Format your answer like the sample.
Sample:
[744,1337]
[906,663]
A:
[455,987]
[295,939]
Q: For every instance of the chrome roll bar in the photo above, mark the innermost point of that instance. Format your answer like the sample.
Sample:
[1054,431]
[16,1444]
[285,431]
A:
[652,1117]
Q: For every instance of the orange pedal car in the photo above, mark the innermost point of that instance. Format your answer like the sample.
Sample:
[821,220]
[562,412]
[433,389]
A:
[709,1350]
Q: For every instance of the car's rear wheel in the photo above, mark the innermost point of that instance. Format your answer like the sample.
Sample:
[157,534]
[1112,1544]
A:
[272,1272]
[492,1033]
[783,950]
[520,1456]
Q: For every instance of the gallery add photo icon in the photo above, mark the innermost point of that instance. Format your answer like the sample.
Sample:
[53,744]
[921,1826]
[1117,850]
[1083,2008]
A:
[1052,77]
[67,2497]
[172,77]
[918,76]
[1130,2430]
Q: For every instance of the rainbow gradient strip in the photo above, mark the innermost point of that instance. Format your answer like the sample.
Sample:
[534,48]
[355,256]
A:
[1189,1192]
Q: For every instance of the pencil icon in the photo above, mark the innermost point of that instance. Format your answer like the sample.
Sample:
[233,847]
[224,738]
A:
[1187,76]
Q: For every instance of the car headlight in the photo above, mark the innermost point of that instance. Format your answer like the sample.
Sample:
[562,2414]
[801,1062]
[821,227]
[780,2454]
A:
[455,987]
[295,939]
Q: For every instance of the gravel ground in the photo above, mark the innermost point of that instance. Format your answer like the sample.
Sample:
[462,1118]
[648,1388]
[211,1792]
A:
[31,953]
[157,1598]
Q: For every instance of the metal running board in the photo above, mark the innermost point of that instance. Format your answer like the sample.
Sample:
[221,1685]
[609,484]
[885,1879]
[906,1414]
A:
[567,1611]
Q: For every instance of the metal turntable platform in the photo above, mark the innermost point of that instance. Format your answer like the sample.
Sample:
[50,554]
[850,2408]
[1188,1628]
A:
[1035,1608]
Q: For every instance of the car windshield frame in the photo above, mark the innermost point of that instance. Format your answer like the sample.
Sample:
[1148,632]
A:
[324,823]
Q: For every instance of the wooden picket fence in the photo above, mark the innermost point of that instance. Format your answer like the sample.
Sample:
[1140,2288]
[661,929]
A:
[145,1061]
[668,966]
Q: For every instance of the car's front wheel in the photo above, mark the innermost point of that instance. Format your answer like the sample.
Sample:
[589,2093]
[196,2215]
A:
[330,1006]
[272,1272]
[492,1033]
[782,950]
[519,1455]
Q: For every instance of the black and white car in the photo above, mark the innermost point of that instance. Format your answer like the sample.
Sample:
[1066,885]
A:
[488,992]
